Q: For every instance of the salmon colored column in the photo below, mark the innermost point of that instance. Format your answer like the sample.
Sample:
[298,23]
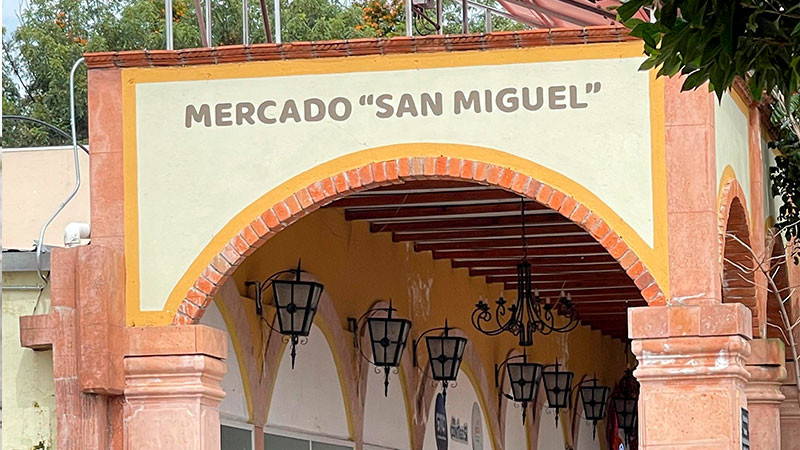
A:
[790,413]
[172,387]
[692,374]
[767,371]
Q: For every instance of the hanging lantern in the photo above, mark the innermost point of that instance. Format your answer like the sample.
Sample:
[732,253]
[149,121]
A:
[626,399]
[295,304]
[387,336]
[557,386]
[445,353]
[626,409]
[594,399]
[523,376]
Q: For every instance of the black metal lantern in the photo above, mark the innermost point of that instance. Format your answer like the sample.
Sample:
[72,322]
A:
[524,377]
[295,304]
[626,409]
[445,353]
[626,399]
[388,336]
[594,399]
[557,386]
[530,313]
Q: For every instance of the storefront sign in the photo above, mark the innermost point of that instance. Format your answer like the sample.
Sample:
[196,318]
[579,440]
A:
[440,417]
[477,427]
[459,431]
[745,429]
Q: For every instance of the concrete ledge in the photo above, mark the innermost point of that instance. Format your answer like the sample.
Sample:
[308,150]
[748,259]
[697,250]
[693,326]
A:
[34,332]
[176,340]
[659,322]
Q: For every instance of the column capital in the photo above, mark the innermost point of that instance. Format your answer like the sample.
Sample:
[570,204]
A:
[697,320]
[172,387]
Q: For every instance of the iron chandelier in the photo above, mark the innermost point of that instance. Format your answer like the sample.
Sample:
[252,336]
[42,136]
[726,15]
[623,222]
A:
[387,336]
[530,313]
[295,304]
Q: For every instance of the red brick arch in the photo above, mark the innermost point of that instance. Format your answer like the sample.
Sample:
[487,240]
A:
[377,174]
[737,285]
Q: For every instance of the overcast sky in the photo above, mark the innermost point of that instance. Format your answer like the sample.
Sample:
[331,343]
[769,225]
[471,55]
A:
[11,13]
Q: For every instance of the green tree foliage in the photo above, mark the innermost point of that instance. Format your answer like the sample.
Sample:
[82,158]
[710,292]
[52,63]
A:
[715,41]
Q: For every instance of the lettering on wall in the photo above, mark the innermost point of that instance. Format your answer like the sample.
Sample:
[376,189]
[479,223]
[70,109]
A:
[459,432]
[387,106]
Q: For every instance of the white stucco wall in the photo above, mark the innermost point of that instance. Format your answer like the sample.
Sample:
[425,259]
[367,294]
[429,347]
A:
[585,440]
[515,432]
[29,409]
[385,418]
[551,437]
[731,140]
[309,398]
[234,405]
[35,182]
[460,401]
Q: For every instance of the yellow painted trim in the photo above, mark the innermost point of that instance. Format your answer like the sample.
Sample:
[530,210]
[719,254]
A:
[655,258]
[237,347]
[379,63]
[740,102]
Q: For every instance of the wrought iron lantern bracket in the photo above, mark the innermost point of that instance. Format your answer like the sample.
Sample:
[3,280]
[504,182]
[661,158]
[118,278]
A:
[388,337]
[294,317]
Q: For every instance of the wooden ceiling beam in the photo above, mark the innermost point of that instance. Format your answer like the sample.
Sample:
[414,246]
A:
[574,280]
[440,211]
[566,229]
[531,221]
[533,243]
[591,271]
[576,252]
[543,265]
[371,199]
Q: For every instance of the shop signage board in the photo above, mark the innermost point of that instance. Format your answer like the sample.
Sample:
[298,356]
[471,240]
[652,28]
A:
[477,427]
[440,416]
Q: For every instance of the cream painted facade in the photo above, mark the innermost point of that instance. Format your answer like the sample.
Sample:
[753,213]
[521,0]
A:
[35,182]
[602,90]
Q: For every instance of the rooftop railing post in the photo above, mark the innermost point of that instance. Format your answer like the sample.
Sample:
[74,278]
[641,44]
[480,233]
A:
[168,25]
[277,21]
[245,23]
[488,19]
[409,18]
[464,17]
[208,23]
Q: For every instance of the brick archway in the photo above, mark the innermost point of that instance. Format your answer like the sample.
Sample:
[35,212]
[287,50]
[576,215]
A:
[738,279]
[377,174]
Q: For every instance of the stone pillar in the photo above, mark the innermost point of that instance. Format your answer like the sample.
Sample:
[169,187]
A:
[764,396]
[692,374]
[172,387]
[790,412]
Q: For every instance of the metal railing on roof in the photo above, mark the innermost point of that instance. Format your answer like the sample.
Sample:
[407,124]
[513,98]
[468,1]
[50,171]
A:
[204,16]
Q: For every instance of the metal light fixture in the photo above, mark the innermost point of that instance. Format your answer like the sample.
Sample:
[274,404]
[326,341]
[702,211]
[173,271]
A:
[524,377]
[557,386]
[295,304]
[530,313]
[594,399]
[387,335]
[626,400]
[445,353]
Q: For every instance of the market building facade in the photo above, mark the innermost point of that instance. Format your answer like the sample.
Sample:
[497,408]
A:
[396,171]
